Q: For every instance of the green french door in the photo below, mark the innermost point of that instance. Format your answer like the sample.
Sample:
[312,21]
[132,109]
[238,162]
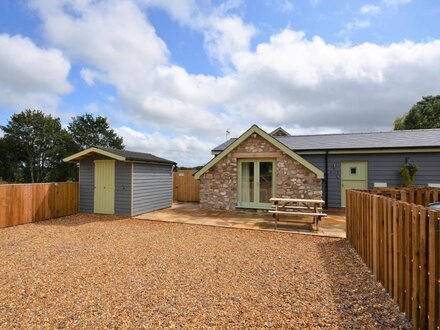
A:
[256,182]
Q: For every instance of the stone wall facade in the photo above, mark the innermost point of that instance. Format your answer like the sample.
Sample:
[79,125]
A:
[218,186]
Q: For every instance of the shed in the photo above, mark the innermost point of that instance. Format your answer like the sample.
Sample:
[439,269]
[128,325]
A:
[123,182]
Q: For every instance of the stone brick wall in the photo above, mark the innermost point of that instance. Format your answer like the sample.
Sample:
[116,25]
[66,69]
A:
[218,186]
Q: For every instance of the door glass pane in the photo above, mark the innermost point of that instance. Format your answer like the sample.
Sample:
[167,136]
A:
[266,180]
[247,182]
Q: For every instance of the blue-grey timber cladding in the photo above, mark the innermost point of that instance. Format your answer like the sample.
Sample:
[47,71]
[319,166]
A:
[381,168]
[152,187]
[86,185]
[122,185]
[122,188]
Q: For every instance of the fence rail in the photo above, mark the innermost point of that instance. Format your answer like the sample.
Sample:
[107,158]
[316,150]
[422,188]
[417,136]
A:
[185,187]
[399,242]
[25,203]
[417,195]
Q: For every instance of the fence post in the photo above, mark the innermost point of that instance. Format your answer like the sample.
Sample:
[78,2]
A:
[400,243]
[375,237]
[396,252]
[347,214]
[433,271]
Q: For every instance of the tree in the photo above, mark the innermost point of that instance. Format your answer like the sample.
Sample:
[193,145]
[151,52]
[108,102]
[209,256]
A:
[36,143]
[423,114]
[9,161]
[87,131]
[59,170]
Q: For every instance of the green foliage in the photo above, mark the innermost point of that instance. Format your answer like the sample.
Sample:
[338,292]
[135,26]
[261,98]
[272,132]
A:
[424,114]
[408,173]
[34,144]
[188,168]
[9,161]
[87,131]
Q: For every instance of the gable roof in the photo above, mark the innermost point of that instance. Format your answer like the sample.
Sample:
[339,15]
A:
[279,132]
[267,137]
[121,155]
[421,138]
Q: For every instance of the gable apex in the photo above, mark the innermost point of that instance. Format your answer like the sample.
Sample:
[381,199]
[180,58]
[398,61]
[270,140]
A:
[254,129]
[279,132]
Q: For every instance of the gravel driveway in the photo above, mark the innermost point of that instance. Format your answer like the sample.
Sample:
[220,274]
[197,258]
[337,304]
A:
[89,271]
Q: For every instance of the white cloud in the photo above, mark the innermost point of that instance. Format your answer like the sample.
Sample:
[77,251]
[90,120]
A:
[224,32]
[184,149]
[121,48]
[294,80]
[370,9]
[113,36]
[183,10]
[227,36]
[284,6]
[396,2]
[314,3]
[32,77]
[291,80]
[90,76]
[355,24]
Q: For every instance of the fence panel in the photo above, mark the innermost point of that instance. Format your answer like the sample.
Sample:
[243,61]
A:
[185,187]
[417,195]
[400,243]
[25,203]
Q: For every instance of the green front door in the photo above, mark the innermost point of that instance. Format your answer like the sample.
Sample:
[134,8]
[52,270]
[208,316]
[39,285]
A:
[104,199]
[256,182]
[354,175]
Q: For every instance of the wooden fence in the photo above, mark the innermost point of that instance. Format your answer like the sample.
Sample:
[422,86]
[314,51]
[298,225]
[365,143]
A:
[24,203]
[417,195]
[185,187]
[399,242]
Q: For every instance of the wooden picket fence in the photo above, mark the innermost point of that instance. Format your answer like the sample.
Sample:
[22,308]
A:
[414,195]
[185,187]
[25,203]
[399,242]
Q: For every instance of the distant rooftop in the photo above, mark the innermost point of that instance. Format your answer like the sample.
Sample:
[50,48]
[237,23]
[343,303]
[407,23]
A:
[420,138]
[279,132]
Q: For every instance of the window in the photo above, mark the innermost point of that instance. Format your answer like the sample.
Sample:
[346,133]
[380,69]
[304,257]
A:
[353,170]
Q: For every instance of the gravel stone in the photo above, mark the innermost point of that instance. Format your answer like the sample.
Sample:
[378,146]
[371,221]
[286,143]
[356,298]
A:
[90,271]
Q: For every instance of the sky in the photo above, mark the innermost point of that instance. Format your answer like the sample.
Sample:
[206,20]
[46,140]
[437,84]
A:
[172,76]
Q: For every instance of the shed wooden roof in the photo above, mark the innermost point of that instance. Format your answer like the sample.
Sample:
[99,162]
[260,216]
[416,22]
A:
[118,154]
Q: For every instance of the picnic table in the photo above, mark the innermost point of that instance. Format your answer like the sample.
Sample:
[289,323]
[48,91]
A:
[297,207]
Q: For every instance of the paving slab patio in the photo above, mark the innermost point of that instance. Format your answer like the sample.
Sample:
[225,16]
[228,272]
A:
[331,226]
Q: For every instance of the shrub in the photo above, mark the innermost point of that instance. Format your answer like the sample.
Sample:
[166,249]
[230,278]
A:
[408,173]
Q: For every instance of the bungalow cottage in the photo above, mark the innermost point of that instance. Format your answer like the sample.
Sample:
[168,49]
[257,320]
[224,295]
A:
[247,171]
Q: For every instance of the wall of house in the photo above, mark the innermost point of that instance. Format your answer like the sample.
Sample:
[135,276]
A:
[122,185]
[218,186]
[381,168]
[152,187]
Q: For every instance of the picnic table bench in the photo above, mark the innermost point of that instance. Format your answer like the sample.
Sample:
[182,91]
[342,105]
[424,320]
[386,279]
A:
[297,207]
